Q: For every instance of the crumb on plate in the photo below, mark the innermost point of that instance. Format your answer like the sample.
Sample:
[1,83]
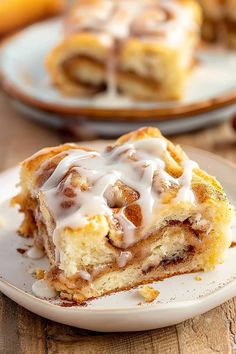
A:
[148,293]
[39,273]
[198,278]
[21,250]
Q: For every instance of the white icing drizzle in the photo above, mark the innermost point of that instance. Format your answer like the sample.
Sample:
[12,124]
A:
[135,164]
[108,98]
[35,253]
[88,16]
[120,22]
[113,23]
[165,21]
[111,75]
[65,164]
[42,289]
[185,193]
[123,258]
[85,275]
[99,269]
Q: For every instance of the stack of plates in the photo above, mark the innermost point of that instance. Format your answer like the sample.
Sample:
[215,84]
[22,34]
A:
[210,94]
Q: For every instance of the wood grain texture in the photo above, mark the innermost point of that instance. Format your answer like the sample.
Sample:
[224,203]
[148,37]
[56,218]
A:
[20,331]
[64,339]
[24,332]
[32,334]
[9,340]
[208,332]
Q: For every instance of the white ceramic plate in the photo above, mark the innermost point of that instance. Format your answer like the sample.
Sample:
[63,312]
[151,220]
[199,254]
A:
[210,93]
[111,129]
[181,297]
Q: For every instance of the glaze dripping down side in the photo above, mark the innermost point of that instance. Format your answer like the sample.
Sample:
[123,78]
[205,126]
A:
[138,165]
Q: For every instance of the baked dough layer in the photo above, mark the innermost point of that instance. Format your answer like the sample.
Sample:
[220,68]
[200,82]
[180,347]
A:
[137,212]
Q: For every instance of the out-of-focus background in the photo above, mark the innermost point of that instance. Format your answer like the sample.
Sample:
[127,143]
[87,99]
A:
[31,104]
[34,114]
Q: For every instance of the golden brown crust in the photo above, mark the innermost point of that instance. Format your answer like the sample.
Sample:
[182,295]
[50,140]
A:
[205,187]
[148,293]
[188,244]
[140,251]
[73,296]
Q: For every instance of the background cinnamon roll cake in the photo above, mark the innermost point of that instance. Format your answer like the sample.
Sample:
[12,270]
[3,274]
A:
[219,22]
[230,23]
[143,49]
[139,211]
[213,14]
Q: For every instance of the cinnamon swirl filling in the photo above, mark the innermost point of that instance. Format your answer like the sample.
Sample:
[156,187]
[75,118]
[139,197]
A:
[78,69]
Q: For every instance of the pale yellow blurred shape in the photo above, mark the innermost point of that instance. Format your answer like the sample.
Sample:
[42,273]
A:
[17,13]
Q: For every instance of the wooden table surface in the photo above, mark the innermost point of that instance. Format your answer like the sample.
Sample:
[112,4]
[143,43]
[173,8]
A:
[24,332]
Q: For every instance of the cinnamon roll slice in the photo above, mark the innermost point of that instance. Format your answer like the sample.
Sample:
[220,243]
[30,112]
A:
[139,211]
[142,49]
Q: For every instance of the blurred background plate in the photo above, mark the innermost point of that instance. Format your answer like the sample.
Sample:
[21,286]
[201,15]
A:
[81,125]
[210,94]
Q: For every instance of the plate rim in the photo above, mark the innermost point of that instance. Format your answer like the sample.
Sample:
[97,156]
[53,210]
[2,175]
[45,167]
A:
[4,284]
[135,308]
[117,114]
